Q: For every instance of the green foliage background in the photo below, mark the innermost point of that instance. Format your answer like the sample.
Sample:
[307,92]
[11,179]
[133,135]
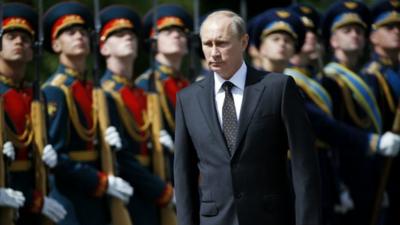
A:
[142,6]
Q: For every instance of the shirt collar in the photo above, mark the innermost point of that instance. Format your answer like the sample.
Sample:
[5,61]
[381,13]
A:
[238,79]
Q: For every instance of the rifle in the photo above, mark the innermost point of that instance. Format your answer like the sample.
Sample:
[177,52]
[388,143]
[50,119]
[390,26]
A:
[167,214]
[194,41]
[385,172]
[1,24]
[6,213]
[243,10]
[119,214]
[38,117]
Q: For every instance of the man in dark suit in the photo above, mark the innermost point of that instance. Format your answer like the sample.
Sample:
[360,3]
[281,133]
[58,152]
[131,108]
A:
[233,130]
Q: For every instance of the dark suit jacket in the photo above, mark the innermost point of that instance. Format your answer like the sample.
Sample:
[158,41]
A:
[252,185]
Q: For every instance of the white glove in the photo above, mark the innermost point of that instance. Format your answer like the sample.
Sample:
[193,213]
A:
[173,200]
[112,137]
[119,188]
[8,150]
[53,210]
[166,140]
[11,198]
[389,144]
[346,202]
[49,156]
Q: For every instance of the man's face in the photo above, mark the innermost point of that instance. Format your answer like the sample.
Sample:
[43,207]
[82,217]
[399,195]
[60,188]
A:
[222,48]
[310,45]
[121,44]
[17,47]
[387,37]
[277,47]
[348,38]
[172,41]
[73,42]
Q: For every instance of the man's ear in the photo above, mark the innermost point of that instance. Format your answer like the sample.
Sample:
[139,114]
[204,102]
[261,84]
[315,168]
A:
[373,38]
[333,41]
[56,45]
[104,50]
[245,41]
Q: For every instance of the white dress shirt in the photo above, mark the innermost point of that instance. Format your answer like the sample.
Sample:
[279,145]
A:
[239,80]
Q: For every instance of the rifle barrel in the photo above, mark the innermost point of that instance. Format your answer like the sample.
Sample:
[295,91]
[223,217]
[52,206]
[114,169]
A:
[38,52]
[95,44]
[1,24]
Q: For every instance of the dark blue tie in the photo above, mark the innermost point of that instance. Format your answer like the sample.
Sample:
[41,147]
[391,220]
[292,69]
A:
[229,119]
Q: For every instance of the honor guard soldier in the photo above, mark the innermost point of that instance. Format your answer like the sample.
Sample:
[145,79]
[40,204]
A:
[173,26]
[281,34]
[252,50]
[345,26]
[285,30]
[383,76]
[72,123]
[306,60]
[119,40]
[19,32]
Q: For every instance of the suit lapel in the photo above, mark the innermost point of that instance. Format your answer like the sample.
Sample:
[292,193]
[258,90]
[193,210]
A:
[207,105]
[252,92]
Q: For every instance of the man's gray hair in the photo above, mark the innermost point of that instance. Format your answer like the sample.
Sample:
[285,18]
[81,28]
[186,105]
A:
[238,26]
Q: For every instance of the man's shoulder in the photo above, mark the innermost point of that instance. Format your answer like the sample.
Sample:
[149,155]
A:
[194,88]
[272,79]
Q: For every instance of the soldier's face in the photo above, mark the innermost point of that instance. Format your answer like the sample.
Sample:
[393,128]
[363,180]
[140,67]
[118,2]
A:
[121,44]
[277,47]
[223,49]
[348,38]
[72,42]
[172,41]
[252,50]
[310,45]
[387,37]
[17,47]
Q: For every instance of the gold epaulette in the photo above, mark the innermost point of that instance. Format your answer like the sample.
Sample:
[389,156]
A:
[143,76]
[328,71]
[58,80]
[108,85]
[373,68]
